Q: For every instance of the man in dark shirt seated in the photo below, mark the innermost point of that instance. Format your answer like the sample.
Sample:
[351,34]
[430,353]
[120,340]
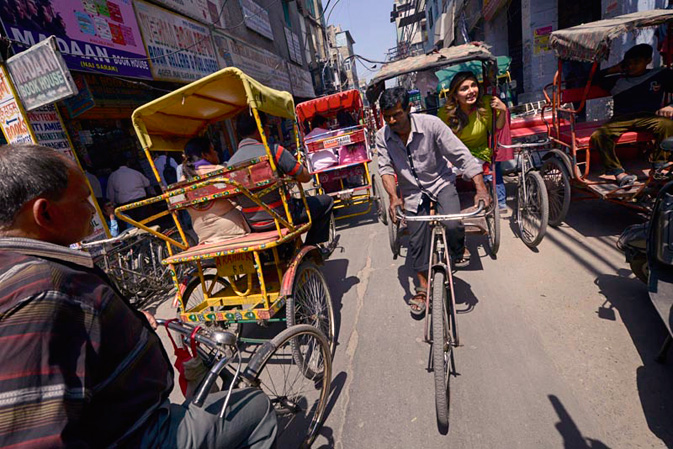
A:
[80,367]
[638,94]
[320,206]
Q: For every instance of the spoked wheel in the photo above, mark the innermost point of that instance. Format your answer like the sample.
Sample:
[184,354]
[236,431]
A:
[330,245]
[532,209]
[298,391]
[310,303]
[493,223]
[557,182]
[443,363]
[380,198]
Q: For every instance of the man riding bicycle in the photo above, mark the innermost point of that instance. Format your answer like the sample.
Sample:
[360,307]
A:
[420,149]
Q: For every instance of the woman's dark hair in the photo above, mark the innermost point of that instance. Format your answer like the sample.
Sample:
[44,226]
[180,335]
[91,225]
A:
[246,124]
[345,119]
[28,172]
[457,119]
[318,121]
[194,151]
[391,97]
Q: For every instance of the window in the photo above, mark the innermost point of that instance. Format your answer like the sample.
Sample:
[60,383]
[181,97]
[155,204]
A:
[347,65]
[286,13]
[310,5]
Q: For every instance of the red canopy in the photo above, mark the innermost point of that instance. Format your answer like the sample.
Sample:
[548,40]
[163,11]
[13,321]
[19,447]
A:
[329,105]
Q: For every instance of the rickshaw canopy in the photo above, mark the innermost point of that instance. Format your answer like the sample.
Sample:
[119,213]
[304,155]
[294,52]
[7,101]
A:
[329,105]
[446,75]
[475,51]
[167,122]
[590,42]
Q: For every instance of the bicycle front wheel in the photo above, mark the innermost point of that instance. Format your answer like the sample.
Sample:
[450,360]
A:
[532,209]
[442,350]
[298,391]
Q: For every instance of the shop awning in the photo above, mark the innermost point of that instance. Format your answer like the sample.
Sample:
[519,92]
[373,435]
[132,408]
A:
[329,105]
[591,41]
[185,112]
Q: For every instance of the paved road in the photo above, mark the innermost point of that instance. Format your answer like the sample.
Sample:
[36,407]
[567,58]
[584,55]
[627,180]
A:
[558,346]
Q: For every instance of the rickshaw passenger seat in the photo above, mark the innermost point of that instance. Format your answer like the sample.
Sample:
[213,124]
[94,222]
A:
[583,132]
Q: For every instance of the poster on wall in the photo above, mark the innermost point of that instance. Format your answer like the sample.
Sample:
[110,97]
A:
[13,124]
[180,48]
[205,11]
[293,46]
[40,75]
[100,36]
[541,39]
[256,18]
[258,63]
[302,83]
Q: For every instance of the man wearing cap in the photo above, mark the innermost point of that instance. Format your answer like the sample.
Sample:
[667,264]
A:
[638,94]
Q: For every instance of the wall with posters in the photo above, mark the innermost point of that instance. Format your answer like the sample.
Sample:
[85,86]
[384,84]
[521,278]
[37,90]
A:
[180,49]
[92,35]
[205,11]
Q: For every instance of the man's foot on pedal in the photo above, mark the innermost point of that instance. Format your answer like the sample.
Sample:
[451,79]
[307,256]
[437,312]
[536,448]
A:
[462,261]
[625,180]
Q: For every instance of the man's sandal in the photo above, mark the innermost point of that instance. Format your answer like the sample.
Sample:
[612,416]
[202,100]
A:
[627,181]
[463,261]
[417,303]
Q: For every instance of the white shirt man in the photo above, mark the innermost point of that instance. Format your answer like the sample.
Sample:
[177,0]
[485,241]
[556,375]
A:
[95,184]
[125,185]
[160,163]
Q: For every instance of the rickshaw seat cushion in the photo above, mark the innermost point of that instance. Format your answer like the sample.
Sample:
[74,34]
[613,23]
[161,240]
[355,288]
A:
[583,132]
[576,94]
[251,240]
[530,126]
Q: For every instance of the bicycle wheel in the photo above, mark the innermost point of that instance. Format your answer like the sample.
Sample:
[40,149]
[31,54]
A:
[532,210]
[441,349]
[310,303]
[493,223]
[298,391]
[380,198]
[557,182]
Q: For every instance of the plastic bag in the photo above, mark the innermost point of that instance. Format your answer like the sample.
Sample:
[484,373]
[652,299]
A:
[352,154]
[323,159]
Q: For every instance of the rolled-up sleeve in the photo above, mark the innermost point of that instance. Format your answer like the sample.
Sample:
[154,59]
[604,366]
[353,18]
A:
[385,164]
[455,150]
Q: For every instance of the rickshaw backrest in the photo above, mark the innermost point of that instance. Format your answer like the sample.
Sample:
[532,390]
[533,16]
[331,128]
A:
[254,175]
[576,94]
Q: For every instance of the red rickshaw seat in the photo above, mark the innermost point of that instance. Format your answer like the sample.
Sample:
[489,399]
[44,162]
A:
[583,132]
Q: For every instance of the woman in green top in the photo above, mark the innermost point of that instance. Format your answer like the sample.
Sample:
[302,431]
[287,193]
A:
[469,114]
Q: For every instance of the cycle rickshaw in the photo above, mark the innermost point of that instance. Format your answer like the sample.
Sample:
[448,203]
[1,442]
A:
[259,274]
[339,159]
[441,329]
[571,162]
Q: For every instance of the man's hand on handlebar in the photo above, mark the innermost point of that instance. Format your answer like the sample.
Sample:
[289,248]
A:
[482,192]
[395,202]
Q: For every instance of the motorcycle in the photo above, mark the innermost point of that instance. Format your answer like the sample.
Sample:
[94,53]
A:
[648,248]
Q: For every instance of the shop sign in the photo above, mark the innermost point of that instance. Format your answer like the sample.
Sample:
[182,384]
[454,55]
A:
[490,8]
[93,35]
[293,46]
[13,124]
[40,75]
[260,64]
[81,102]
[180,49]
[302,83]
[541,39]
[256,18]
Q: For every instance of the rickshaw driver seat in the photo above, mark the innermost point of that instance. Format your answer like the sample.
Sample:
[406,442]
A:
[320,206]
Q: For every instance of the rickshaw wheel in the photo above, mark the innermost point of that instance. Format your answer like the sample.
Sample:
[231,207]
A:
[557,181]
[310,303]
[299,395]
[380,197]
[394,237]
[532,212]
[493,224]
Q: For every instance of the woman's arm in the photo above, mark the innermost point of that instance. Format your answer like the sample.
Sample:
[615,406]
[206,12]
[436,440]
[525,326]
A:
[501,112]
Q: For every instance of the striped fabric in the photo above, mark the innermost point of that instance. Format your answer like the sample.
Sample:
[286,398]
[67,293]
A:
[78,366]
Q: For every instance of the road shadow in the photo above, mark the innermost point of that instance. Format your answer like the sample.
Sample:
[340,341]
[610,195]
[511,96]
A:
[572,436]
[335,391]
[335,272]
[343,222]
[607,219]
[654,380]
[465,297]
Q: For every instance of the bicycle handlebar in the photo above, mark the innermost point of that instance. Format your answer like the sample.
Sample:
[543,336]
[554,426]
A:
[221,338]
[525,145]
[451,217]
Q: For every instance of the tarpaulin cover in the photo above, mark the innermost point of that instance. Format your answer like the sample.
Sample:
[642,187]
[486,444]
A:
[169,121]
[329,105]
[591,41]
[446,75]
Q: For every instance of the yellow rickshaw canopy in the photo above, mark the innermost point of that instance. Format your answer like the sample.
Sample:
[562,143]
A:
[165,123]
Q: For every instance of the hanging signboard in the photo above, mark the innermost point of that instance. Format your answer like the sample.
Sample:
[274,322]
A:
[48,129]
[12,122]
[40,75]
[293,46]
[205,11]
[260,64]
[180,49]
[93,35]
[81,102]
[256,18]
[302,84]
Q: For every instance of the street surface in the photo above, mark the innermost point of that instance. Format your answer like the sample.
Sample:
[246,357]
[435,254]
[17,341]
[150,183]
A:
[558,345]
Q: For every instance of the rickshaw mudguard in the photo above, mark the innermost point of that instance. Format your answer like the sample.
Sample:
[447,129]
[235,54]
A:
[563,157]
[306,252]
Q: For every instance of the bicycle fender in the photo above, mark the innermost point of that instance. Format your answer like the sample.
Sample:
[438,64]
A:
[307,251]
[563,157]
